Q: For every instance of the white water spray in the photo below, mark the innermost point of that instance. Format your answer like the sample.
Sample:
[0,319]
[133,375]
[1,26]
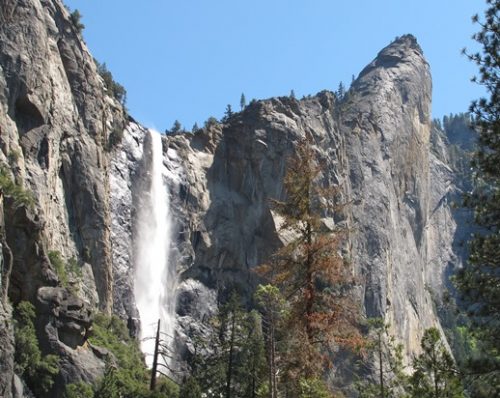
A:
[154,288]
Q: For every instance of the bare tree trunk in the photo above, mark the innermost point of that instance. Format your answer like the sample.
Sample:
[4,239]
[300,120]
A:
[152,385]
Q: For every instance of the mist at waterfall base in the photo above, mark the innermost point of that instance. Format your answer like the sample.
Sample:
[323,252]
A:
[154,288]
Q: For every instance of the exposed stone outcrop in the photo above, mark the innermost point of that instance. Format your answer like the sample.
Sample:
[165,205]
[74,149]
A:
[55,121]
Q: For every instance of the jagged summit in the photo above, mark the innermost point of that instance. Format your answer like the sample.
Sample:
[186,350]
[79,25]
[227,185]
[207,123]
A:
[404,49]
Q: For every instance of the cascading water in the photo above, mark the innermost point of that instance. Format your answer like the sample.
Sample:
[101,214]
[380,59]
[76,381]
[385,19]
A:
[154,288]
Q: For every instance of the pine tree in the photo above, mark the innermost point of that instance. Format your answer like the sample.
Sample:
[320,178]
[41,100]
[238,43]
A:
[176,128]
[272,306]
[479,282]
[230,361]
[340,91]
[310,271]
[435,374]
[228,114]
[190,389]
[292,94]
[243,101]
[391,380]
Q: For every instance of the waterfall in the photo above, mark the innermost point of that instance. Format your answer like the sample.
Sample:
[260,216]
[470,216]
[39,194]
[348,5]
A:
[154,288]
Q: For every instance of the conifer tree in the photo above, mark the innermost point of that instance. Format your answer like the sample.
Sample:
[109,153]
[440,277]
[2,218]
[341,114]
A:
[391,380]
[272,306]
[435,374]
[310,271]
[479,282]
[243,101]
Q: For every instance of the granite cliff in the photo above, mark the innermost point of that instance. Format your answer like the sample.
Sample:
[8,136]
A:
[56,120]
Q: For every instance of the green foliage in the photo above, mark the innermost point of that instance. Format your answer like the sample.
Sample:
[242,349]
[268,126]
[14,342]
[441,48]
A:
[391,380]
[15,191]
[115,137]
[64,270]
[46,371]
[59,266]
[108,387]
[38,371]
[243,101]
[79,390]
[435,374]
[14,155]
[114,88]
[313,388]
[228,114]
[27,351]
[230,361]
[129,378]
[479,282]
[176,128]
[210,122]
[75,18]
[190,389]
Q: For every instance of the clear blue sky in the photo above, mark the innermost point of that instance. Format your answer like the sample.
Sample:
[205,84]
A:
[188,59]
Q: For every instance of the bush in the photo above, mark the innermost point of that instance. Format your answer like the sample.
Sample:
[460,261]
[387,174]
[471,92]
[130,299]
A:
[58,264]
[129,378]
[75,18]
[313,388]
[15,191]
[115,88]
[79,390]
[63,271]
[190,389]
[211,121]
[38,371]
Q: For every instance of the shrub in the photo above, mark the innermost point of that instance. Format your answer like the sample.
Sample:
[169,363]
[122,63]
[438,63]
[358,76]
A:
[313,388]
[130,377]
[75,18]
[58,264]
[63,270]
[15,191]
[79,390]
[38,371]
[115,88]
[211,121]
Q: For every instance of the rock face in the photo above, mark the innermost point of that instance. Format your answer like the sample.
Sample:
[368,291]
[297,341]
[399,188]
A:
[56,119]
[374,143]
[55,122]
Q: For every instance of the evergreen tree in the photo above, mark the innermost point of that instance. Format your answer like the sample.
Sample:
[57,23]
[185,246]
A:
[243,101]
[190,389]
[340,91]
[76,17]
[108,387]
[230,361]
[479,282]
[176,128]
[272,306]
[292,94]
[228,114]
[435,374]
[391,379]
[310,272]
